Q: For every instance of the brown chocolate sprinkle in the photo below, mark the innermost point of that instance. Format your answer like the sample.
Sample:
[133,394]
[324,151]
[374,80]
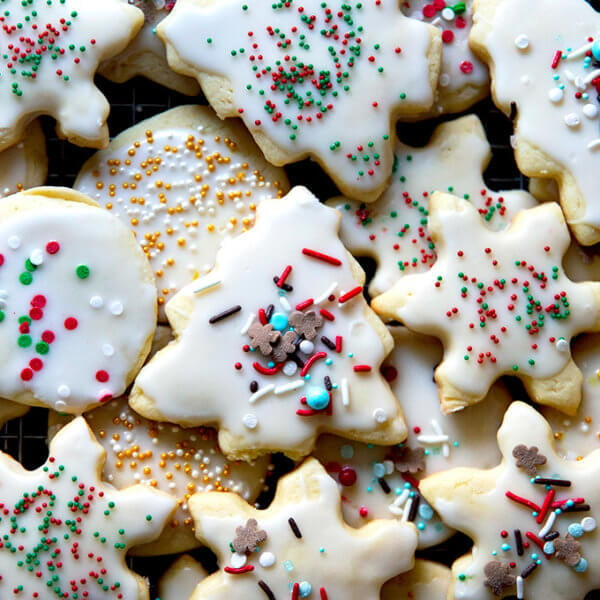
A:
[551,536]
[576,508]
[384,485]
[528,458]
[519,542]
[328,342]
[266,589]
[557,482]
[226,313]
[529,569]
[294,527]
[327,382]
[254,386]
[284,286]
[498,577]
[248,537]
[414,506]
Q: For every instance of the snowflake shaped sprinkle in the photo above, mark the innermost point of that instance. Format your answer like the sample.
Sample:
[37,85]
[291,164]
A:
[288,276]
[501,302]
[50,52]
[393,230]
[65,533]
[299,72]
[548,69]
[305,538]
[534,537]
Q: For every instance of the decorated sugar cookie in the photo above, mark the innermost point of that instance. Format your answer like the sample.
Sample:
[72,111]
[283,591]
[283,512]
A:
[146,54]
[501,304]
[299,73]
[532,518]
[379,482]
[175,460]
[65,533]
[77,302]
[578,435]
[464,79]
[299,547]
[50,52]
[277,343]
[546,66]
[183,181]
[427,580]
[393,230]
[181,578]
[24,165]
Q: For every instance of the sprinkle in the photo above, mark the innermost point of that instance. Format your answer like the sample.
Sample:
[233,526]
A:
[523,501]
[328,292]
[407,509]
[519,587]
[349,295]
[266,589]
[432,439]
[284,275]
[345,392]
[261,392]
[380,416]
[557,482]
[328,342]
[535,539]
[338,343]
[250,421]
[207,286]
[226,313]
[529,569]
[239,571]
[384,485]
[289,387]
[323,257]
[519,541]
[296,591]
[545,506]
[547,525]
[309,363]
[294,527]
[323,594]
[284,302]
[326,314]
[361,368]
[249,322]
[267,370]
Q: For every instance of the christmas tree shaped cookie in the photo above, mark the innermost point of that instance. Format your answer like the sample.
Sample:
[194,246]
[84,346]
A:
[277,343]
[299,546]
[65,533]
[544,61]
[393,230]
[183,181]
[50,50]
[146,54]
[532,518]
[299,74]
[77,301]
[501,304]
[382,482]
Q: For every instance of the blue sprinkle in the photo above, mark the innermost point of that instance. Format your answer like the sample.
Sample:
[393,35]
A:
[305,589]
[279,321]
[575,529]
[581,566]
[425,511]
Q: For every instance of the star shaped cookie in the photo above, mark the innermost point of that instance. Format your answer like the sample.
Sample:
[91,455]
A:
[298,73]
[393,230]
[464,79]
[547,70]
[50,50]
[277,343]
[382,482]
[146,54]
[65,533]
[298,546]
[534,532]
[501,304]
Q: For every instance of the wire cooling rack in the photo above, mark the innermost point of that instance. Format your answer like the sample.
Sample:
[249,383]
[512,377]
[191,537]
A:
[139,99]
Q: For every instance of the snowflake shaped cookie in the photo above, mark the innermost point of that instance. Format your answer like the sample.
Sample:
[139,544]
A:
[65,533]
[289,284]
[24,165]
[534,535]
[379,482]
[501,304]
[298,73]
[393,230]
[146,54]
[464,79]
[50,52]
[183,181]
[77,302]
[306,549]
[549,68]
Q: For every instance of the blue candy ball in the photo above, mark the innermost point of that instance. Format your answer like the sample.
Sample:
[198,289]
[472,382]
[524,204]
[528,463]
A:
[279,321]
[575,529]
[581,566]
[596,49]
[317,398]
[305,589]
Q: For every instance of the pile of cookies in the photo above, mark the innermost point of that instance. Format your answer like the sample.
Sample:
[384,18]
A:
[189,313]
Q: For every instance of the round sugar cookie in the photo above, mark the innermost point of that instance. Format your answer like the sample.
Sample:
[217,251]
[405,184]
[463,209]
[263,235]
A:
[183,181]
[427,580]
[383,482]
[77,301]
[146,54]
[24,165]
[180,579]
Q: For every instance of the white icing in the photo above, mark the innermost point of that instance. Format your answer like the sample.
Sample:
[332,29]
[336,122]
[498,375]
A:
[230,38]
[180,580]
[345,562]
[63,85]
[557,127]
[454,160]
[65,342]
[184,383]
[475,502]
[445,303]
[462,72]
[92,524]
[182,190]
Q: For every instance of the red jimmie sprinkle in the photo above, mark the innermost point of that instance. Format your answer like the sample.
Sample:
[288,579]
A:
[284,275]
[362,368]
[240,570]
[320,256]
[556,59]
[351,294]
[311,361]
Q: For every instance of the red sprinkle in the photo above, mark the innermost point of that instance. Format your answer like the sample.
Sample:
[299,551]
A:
[284,275]
[545,506]
[349,295]
[240,570]
[71,323]
[305,304]
[326,315]
[523,501]
[311,361]
[102,376]
[52,247]
[265,370]
[362,368]
[320,256]
[556,59]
